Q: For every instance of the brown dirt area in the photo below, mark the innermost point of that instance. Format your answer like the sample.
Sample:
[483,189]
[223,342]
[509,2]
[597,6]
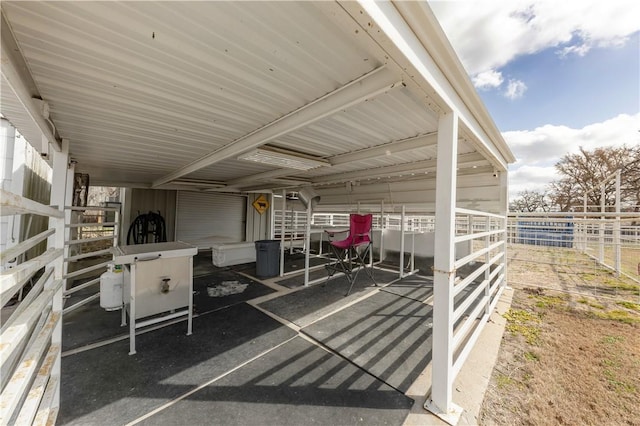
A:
[566,358]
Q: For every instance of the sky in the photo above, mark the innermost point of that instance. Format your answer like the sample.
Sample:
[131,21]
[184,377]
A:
[555,75]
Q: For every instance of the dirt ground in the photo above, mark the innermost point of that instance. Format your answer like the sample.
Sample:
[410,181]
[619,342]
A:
[566,358]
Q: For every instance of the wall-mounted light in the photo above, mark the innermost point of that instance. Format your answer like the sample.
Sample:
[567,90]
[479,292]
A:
[282,159]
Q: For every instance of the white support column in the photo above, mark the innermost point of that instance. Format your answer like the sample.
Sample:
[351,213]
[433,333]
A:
[307,242]
[583,233]
[68,200]
[282,229]
[402,219]
[272,217]
[616,229]
[126,195]
[601,233]
[7,144]
[58,198]
[440,401]
[504,212]
[381,230]
[294,226]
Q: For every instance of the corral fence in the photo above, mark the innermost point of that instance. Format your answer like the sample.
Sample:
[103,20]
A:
[31,334]
[93,232]
[592,253]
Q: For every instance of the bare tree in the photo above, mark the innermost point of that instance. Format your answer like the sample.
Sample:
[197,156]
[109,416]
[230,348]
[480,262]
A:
[530,201]
[564,195]
[586,170]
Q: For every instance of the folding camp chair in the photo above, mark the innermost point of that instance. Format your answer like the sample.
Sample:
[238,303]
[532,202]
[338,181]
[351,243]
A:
[353,250]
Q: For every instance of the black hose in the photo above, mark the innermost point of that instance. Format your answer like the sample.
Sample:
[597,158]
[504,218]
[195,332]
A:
[147,228]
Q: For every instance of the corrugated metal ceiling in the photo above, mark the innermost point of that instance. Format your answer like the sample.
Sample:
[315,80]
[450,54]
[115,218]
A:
[141,89]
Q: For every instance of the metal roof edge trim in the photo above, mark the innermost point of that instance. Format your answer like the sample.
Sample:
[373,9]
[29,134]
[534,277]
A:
[441,49]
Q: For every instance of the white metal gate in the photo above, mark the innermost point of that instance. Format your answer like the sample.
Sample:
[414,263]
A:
[88,250]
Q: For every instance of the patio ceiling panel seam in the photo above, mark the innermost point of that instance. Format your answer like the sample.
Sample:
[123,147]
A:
[464,160]
[390,148]
[374,83]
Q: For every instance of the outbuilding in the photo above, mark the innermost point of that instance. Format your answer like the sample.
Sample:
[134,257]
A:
[214,111]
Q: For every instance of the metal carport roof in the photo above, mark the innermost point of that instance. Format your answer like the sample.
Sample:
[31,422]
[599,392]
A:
[152,94]
[170,95]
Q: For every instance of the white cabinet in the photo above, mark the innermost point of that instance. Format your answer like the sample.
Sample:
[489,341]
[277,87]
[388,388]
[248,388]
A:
[159,284]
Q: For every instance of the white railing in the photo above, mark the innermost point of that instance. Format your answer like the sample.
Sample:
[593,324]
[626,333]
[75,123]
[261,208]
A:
[31,336]
[92,236]
[610,239]
[392,221]
[476,295]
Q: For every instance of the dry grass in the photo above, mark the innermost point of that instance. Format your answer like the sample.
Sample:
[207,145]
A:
[566,358]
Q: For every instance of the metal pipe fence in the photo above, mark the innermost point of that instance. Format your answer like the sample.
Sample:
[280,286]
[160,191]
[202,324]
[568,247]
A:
[586,254]
[88,251]
[31,335]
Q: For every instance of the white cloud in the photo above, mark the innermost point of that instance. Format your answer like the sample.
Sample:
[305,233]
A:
[538,150]
[530,178]
[487,34]
[579,50]
[515,89]
[488,80]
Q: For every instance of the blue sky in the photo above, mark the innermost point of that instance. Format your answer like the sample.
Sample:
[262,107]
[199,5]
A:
[574,91]
[555,75]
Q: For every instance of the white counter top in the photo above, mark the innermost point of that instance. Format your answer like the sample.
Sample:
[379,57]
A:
[142,252]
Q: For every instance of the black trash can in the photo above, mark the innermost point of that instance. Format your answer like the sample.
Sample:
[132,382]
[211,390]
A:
[267,258]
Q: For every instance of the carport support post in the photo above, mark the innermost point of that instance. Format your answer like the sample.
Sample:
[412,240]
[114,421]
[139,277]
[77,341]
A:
[616,228]
[307,243]
[282,229]
[381,230]
[440,402]
[601,233]
[59,189]
[402,219]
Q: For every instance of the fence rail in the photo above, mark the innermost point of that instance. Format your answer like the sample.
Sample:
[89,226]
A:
[88,251]
[31,336]
[610,239]
[476,296]
[595,256]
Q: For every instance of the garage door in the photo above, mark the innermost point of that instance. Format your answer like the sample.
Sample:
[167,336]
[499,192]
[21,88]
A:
[205,218]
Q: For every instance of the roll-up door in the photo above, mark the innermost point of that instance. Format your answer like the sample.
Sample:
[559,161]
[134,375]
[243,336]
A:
[204,218]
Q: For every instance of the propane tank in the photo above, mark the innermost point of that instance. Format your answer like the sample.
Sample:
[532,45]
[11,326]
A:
[111,288]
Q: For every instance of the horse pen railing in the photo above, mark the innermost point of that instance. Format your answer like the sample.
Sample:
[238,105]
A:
[479,291]
[594,253]
[93,232]
[31,335]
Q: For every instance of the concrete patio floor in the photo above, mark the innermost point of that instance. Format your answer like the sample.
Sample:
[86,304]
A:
[273,354]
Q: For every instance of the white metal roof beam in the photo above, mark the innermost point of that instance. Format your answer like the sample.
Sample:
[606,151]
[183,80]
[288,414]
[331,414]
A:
[369,85]
[424,141]
[16,75]
[271,174]
[464,160]
[395,147]
[408,25]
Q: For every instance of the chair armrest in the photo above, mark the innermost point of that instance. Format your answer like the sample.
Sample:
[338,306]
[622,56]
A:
[332,233]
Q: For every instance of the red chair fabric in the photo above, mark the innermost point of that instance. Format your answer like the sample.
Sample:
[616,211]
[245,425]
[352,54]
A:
[349,258]
[359,232]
